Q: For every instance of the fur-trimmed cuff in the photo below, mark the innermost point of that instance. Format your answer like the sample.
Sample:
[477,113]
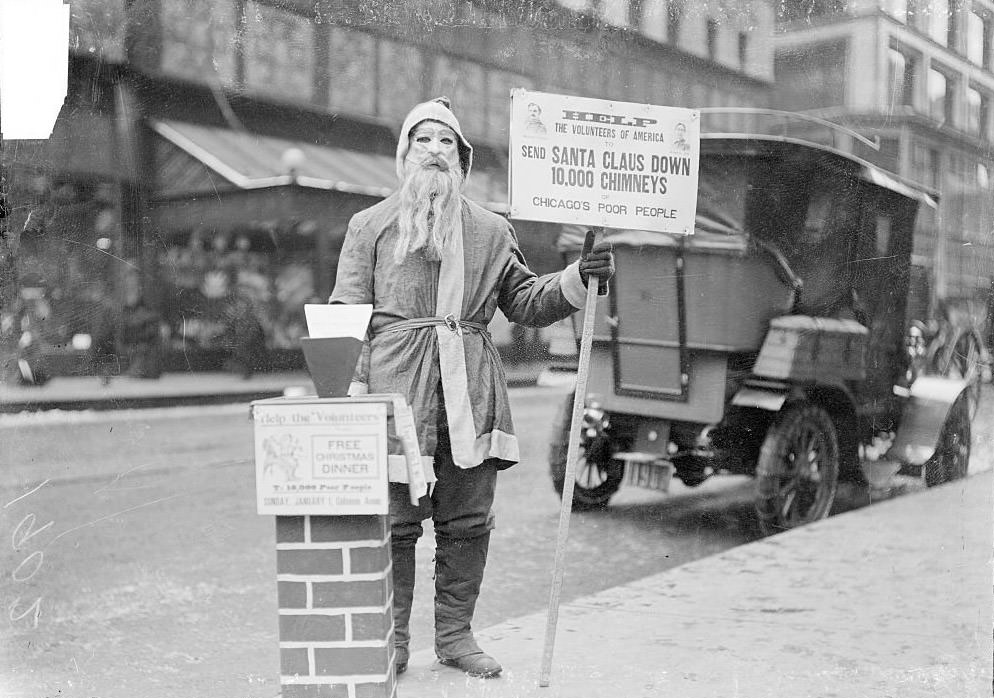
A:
[397,469]
[572,286]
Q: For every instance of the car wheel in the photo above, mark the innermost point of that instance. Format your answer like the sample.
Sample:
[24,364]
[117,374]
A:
[951,459]
[964,359]
[798,469]
[598,476]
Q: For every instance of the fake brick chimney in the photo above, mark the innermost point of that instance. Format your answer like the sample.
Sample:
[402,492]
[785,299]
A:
[335,597]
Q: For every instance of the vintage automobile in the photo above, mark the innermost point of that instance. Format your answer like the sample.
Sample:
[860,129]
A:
[770,342]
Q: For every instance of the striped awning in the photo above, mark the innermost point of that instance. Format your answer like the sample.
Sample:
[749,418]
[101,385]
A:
[249,161]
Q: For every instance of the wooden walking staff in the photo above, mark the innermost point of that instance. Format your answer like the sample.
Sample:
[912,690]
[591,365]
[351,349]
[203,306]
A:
[582,372]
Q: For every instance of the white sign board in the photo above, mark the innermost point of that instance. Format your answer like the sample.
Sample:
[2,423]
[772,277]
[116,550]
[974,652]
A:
[603,163]
[314,457]
[34,66]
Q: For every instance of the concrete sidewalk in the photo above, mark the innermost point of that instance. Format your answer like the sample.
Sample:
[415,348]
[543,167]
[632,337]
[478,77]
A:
[125,392]
[892,600]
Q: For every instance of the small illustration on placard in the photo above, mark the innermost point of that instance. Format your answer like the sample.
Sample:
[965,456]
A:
[282,457]
[680,141]
[534,126]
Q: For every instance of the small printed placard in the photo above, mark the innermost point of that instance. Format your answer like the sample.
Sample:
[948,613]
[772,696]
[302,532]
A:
[603,163]
[320,457]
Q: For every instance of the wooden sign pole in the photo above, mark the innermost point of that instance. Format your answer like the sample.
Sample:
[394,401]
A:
[582,372]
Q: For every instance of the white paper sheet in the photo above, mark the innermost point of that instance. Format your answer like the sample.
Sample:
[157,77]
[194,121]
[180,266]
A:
[325,320]
[33,60]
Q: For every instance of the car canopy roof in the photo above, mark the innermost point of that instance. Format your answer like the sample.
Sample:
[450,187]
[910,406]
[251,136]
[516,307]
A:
[717,226]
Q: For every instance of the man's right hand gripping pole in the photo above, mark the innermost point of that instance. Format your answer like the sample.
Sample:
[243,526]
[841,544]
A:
[596,260]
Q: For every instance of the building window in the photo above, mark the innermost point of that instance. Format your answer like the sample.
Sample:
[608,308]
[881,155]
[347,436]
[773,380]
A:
[674,15]
[198,39]
[889,155]
[636,12]
[809,78]
[940,96]
[920,166]
[614,12]
[973,101]
[576,5]
[351,60]
[934,161]
[279,52]
[935,20]
[898,9]
[952,26]
[901,78]
[712,28]
[978,106]
[978,39]
[653,19]
[806,10]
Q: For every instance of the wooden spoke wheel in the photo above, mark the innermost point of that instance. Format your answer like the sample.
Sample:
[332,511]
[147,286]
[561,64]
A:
[951,459]
[963,358]
[798,469]
[598,474]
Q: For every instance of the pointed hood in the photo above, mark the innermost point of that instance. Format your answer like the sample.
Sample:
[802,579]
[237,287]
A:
[433,110]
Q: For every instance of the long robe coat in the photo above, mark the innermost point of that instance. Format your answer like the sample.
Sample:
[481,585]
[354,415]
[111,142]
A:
[483,271]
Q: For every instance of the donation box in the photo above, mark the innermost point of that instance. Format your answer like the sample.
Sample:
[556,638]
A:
[325,456]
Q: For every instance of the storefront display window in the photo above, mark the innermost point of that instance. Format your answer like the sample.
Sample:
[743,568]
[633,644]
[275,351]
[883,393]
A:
[218,286]
[66,306]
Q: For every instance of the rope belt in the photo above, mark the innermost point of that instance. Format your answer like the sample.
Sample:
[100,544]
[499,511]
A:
[448,321]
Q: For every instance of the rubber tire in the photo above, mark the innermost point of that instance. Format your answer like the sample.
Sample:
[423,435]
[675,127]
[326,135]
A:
[609,471]
[799,421]
[951,459]
[964,358]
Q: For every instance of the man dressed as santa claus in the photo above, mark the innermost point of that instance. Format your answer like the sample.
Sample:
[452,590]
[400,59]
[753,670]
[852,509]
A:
[436,267]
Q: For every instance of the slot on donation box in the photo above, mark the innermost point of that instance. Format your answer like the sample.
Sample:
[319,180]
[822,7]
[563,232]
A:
[321,456]
[334,345]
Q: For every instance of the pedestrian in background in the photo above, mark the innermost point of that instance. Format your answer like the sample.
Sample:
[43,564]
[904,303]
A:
[243,330]
[436,267]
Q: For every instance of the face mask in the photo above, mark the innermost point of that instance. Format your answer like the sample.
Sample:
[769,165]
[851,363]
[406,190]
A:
[433,145]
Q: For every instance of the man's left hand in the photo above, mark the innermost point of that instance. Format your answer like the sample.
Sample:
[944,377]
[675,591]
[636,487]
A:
[599,263]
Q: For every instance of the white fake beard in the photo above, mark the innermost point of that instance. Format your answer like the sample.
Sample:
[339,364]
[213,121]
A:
[430,211]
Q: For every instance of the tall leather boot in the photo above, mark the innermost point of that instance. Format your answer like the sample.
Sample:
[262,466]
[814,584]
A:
[403,595]
[459,564]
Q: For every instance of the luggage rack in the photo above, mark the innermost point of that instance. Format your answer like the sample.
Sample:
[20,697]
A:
[784,117]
